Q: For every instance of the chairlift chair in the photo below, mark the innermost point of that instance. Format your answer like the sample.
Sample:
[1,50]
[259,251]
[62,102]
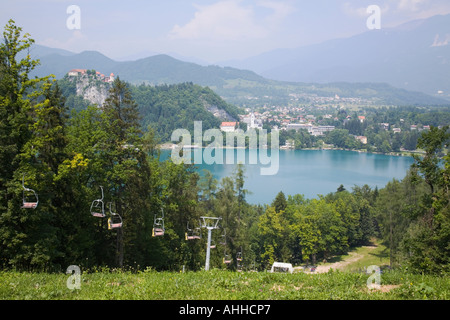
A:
[26,195]
[158,225]
[227,259]
[213,244]
[253,267]
[223,241]
[193,234]
[239,256]
[115,221]
[239,260]
[98,207]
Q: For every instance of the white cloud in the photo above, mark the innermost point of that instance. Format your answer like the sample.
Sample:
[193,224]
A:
[72,43]
[280,10]
[408,10]
[438,42]
[411,5]
[360,12]
[231,20]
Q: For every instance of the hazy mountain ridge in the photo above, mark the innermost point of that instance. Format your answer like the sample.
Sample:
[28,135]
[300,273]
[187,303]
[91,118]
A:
[157,69]
[413,56]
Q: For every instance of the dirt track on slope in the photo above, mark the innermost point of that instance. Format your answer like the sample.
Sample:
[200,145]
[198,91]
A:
[341,264]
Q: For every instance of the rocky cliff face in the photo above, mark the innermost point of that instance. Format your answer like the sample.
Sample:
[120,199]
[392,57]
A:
[219,113]
[92,89]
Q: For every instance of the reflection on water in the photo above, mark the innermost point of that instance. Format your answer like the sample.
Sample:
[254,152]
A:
[312,172]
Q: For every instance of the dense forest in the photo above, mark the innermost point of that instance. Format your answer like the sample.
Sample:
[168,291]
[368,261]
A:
[55,165]
[170,107]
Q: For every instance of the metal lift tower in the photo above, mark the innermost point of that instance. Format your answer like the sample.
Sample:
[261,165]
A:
[210,223]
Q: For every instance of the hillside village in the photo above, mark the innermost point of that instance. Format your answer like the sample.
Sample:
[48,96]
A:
[318,120]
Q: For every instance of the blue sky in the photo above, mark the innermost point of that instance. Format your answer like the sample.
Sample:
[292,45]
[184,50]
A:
[211,31]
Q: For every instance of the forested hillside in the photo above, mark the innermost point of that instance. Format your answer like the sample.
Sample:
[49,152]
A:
[100,158]
[169,107]
[164,107]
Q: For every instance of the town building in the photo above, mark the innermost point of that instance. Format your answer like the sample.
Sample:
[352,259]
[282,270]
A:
[314,130]
[253,122]
[320,130]
[76,72]
[299,126]
[228,126]
[362,139]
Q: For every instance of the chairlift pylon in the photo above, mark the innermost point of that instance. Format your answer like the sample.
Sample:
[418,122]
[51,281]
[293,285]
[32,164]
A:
[26,194]
[98,207]
[115,221]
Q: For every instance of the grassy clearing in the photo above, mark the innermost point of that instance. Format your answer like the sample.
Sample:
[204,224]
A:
[344,281]
[221,285]
[378,256]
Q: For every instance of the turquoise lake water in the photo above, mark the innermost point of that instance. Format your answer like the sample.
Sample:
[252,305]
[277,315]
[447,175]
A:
[312,172]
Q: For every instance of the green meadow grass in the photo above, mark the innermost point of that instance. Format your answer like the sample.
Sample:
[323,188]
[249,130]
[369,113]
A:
[221,285]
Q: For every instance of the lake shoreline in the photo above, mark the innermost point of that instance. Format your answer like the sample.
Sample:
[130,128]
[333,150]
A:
[169,146]
[310,173]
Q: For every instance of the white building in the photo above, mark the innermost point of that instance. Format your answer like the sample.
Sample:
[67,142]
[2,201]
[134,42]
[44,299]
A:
[76,72]
[314,130]
[252,122]
[320,130]
[362,139]
[228,126]
[299,126]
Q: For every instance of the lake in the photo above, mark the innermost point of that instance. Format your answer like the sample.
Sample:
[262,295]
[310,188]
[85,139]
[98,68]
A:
[313,172]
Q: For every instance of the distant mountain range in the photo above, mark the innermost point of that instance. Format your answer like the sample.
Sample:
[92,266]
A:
[413,56]
[156,69]
[407,65]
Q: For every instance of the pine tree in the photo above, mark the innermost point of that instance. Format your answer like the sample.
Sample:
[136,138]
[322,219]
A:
[126,163]
[280,202]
